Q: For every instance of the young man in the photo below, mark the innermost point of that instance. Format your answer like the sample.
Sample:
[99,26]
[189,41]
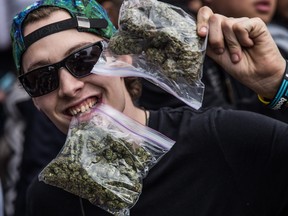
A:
[223,162]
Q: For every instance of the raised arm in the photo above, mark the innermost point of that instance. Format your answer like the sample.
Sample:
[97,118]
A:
[245,49]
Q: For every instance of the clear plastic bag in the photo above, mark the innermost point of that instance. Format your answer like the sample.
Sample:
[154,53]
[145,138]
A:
[159,42]
[105,158]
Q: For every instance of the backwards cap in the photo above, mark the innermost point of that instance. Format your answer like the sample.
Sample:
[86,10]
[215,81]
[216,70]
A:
[87,15]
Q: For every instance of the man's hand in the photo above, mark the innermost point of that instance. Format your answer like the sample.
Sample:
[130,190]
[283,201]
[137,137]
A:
[245,49]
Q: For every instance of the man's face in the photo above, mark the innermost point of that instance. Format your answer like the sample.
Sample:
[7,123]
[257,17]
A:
[73,95]
[244,8]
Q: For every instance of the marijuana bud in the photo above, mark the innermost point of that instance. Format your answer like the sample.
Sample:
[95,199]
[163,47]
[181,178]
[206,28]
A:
[100,167]
[165,36]
[104,159]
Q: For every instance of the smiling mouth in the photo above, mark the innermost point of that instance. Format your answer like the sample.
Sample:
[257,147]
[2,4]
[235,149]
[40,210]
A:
[85,106]
[263,6]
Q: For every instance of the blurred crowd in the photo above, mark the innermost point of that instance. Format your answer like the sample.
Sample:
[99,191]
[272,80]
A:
[26,141]
[29,142]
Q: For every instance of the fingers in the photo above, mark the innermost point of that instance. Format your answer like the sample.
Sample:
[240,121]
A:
[242,31]
[231,37]
[227,34]
[207,22]
[216,40]
[203,15]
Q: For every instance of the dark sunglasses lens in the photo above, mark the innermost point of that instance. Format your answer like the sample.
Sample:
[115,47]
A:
[40,82]
[81,63]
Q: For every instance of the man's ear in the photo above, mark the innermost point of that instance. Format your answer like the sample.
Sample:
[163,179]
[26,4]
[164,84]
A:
[125,58]
[36,104]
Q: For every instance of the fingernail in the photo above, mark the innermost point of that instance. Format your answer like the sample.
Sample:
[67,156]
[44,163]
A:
[203,29]
[235,58]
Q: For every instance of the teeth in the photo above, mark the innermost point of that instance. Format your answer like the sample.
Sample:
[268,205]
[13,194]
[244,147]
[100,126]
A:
[85,106]
[83,109]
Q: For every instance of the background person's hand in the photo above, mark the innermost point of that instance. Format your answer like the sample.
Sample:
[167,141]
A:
[245,49]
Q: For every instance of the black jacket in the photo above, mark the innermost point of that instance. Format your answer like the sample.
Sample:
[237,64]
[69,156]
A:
[230,163]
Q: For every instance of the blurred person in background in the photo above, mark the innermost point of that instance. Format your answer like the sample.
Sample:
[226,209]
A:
[279,27]
[9,142]
[25,132]
[6,80]
[11,138]
[112,7]
[263,9]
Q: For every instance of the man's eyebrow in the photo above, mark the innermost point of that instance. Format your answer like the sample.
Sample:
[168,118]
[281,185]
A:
[75,48]
[37,65]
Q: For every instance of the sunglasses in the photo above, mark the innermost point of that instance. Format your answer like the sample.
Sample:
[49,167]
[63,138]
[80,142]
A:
[44,80]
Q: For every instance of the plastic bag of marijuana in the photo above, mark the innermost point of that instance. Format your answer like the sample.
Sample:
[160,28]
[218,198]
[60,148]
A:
[163,46]
[105,158]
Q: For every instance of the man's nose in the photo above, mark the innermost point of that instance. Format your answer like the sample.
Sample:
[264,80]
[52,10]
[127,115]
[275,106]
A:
[68,84]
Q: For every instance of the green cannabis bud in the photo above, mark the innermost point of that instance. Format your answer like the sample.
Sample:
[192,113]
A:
[164,36]
[100,167]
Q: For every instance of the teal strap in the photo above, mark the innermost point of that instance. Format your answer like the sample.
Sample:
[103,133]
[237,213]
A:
[280,100]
